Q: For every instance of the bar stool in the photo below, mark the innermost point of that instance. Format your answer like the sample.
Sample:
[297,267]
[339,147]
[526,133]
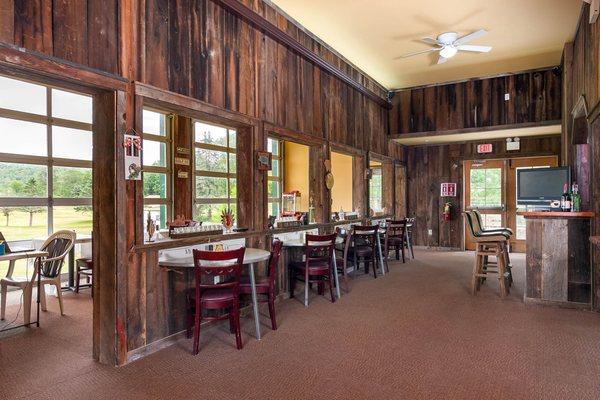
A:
[85,267]
[410,223]
[488,245]
[506,232]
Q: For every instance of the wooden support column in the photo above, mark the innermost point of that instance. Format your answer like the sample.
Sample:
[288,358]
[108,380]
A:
[359,185]
[183,175]
[317,156]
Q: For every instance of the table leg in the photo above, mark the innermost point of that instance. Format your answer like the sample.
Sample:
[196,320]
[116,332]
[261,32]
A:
[71,284]
[255,302]
[337,280]
[305,292]
[381,263]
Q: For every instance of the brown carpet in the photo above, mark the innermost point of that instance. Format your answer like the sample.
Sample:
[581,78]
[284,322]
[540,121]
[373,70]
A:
[416,333]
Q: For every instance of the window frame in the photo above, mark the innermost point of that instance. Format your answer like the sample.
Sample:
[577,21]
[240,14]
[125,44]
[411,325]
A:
[167,170]
[49,161]
[228,150]
[381,198]
[279,178]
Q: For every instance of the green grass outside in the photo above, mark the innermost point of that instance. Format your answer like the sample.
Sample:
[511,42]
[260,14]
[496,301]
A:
[18,228]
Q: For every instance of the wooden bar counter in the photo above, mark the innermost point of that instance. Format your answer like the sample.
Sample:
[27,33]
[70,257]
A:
[558,258]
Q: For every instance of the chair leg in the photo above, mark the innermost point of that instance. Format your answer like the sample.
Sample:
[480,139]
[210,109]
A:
[43,297]
[272,310]
[475,279]
[410,246]
[374,261]
[27,290]
[501,269]
[292,282]
[330,282]
[231,323]
[403,258]
[3,293]
[60,299]
[77,280]
[197,318]
[397,253]
[238,330]
[190,323]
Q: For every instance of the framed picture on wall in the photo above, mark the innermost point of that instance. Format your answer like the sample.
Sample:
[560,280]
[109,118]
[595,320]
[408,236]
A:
[264,160]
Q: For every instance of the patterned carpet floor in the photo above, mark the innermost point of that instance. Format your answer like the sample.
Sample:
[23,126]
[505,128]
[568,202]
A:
[416,333]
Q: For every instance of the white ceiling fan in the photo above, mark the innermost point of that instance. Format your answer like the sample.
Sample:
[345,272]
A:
[449,44]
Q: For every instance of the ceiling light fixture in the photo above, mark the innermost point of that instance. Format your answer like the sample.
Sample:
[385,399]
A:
[448,51]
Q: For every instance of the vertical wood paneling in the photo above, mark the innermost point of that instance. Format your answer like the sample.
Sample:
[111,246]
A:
[157,42]
[69,21]
[103,35]
[179,47]
[7,21]
[33,25]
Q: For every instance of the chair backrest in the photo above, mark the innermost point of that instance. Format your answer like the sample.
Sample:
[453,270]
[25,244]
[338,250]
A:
[57,246]
[477,226]
[274,259]
[396,228]
[469,218]
[226,265]
[479,221]
[320,247]
[365,235]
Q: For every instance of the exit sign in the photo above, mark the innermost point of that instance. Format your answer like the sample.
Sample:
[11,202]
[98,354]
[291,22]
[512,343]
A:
[484,148]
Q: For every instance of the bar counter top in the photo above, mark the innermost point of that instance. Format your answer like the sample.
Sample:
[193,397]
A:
[557,214]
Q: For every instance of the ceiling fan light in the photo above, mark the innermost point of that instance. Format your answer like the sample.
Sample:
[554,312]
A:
[448,51]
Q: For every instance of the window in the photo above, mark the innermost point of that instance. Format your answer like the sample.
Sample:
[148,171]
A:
[376,188]
[486,187]
[156,139]
[45,160]
[275,177]
[215,172]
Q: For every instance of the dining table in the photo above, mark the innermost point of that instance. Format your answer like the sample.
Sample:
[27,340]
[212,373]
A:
[183,258]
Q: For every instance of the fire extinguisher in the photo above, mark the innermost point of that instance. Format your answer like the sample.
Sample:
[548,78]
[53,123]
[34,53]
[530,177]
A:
[447,214]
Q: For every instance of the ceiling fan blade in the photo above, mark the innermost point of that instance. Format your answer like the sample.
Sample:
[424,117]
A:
[430,40]
[471,36]
[478,49]
[416,53]
[442,60]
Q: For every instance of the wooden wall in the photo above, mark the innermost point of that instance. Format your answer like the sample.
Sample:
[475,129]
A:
[479,103]
[581,77]
[428,166]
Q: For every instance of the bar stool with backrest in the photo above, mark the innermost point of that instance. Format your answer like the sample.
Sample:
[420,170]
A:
[58,246]
[317,266]
[364,240]
[488,245]
[410,224]
[395,236]
[217,275]
[506,232]
[266,286]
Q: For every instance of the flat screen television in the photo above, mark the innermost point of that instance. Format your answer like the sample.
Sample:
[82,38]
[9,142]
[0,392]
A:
[541,186]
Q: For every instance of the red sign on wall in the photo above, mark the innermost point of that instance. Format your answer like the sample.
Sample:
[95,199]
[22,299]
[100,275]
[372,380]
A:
[484,148]
[448,190]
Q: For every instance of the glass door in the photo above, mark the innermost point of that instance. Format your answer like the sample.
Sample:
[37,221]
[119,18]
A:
[484,191]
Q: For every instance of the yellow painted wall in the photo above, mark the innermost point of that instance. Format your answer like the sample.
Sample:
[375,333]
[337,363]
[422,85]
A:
[341,194]
[295,171]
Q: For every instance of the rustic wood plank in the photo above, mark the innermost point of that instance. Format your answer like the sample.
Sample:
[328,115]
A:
[7,21]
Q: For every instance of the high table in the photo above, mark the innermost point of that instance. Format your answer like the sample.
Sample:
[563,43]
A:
[11,258]
[184,259]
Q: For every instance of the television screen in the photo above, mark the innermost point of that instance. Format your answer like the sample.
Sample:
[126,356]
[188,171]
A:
[541,185]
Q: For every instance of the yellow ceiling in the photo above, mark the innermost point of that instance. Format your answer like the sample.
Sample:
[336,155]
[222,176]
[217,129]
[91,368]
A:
[372,34]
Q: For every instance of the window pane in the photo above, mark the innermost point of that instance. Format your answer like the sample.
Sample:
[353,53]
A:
[72,182]
[154,153]
[158,213]
[211,188]
[20,137]
[493,197]
[233,188]
[232,163]
[154,123]
[273,189]
[211,213]
[71,106]
[232,139]
[23,180]
[274,168]
[274,209]
[273,146]
[155,185]
[18,223]
[521,228]
[22,96]
[375,191]
[209,160]
[492,220]
[210,134]
[77,218]
[71,143]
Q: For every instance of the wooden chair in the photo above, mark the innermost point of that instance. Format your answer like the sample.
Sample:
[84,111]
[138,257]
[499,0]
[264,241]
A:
[317,266]
[344,255]
[85,267]
[364,248]
[266,286]
[488,245]
[410,223]
[506,232]
[395,235]
[210,267]
[58,246]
